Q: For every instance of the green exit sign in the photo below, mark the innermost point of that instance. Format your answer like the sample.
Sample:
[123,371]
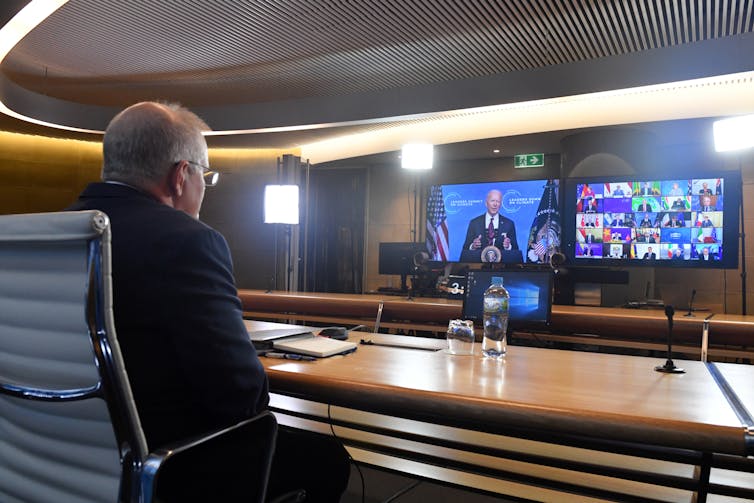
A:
[529,161]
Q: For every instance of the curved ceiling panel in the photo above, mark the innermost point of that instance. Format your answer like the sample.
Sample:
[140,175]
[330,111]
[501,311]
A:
[248,65]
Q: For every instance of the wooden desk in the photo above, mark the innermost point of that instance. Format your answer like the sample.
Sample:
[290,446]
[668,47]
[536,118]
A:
[731,336]
[390,312]
[640,428]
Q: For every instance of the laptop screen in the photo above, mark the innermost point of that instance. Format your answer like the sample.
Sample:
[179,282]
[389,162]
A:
[530,291]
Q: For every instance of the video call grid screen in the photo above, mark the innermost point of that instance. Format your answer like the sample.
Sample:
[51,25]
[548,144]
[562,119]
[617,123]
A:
[678,219]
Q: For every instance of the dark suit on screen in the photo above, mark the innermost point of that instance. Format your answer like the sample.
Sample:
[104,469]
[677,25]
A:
[477,226]
[178,317]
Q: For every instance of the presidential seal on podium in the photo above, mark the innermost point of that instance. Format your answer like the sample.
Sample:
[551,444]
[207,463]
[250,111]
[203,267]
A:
[491,254]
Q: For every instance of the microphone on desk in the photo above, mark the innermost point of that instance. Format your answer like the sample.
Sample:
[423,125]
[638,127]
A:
[691,303]
[669,367]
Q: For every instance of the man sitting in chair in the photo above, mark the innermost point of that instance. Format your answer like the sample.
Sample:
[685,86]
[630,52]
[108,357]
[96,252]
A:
[178,318]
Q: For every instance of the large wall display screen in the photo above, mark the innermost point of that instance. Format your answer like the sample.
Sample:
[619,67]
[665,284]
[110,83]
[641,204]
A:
[508,222]
[687,222]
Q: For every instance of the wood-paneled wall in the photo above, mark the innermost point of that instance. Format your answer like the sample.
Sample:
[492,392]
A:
[46,174]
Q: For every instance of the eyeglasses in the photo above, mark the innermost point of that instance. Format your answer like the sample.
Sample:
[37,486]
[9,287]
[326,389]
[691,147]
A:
[210,177]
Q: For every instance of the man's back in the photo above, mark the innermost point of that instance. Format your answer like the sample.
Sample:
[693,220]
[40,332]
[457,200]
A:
[177,317]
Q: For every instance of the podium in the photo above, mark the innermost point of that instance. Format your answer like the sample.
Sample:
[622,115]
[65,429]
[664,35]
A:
[508,256]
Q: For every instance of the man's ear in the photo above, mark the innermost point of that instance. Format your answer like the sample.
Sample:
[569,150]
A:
[177,178]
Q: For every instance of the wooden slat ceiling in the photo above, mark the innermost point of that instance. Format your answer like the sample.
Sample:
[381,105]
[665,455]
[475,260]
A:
[221,53]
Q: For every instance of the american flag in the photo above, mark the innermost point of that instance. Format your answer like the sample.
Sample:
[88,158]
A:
[540,248]
[437,227]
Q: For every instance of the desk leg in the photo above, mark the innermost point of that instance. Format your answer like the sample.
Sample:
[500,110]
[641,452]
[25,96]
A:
[705,467]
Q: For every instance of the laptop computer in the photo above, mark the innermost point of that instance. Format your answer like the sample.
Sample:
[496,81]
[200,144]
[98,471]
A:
[260,337]
[299,339]
[313,345]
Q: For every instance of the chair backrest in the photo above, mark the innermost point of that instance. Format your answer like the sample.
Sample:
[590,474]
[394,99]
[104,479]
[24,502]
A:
[69,430]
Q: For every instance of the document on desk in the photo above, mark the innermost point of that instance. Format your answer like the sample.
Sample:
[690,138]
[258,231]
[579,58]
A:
[313,345]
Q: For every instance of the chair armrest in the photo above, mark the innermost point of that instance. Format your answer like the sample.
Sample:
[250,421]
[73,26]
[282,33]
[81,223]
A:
[263,425]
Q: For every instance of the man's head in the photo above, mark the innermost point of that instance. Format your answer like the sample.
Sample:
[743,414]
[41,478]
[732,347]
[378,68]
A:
[705,185]
[675,185]
[705,251]
[159,148]
[649,249]
[493,201]
[677,252]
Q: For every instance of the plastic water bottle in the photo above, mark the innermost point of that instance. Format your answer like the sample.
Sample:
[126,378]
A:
[496,303]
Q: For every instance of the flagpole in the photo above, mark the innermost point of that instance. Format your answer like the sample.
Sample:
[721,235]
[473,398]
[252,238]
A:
[743,250]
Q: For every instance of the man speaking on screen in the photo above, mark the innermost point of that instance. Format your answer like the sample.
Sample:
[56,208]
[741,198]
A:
[491,228]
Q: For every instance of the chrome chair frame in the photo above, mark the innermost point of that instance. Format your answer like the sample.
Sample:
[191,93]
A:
[139,468]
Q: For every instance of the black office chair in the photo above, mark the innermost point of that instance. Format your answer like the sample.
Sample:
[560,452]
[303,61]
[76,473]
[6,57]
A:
[69,429]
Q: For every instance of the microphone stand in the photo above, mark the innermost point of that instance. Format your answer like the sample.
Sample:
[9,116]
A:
[669,367]
[691,303]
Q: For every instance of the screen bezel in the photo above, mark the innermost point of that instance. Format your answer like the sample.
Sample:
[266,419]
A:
[731,224]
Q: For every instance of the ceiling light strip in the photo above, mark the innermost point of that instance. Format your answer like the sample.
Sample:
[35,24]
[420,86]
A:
[16,29]
[648,103]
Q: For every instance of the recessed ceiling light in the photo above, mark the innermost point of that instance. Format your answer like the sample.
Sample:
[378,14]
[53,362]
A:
[496,151]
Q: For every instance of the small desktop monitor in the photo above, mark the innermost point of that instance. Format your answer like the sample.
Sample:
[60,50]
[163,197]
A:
[398,258]
[530,291]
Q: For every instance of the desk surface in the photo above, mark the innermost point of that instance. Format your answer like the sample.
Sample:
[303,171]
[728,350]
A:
[603,396]
[621,323]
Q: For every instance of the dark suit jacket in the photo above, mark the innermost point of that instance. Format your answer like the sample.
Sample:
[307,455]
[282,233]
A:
[477,227]
[651,256]
[177,317]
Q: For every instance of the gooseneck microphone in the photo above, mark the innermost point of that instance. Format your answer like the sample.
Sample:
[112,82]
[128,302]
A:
[669,367]
[691,303]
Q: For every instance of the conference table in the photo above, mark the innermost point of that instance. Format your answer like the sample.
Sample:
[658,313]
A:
[731,337]
[542,424]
